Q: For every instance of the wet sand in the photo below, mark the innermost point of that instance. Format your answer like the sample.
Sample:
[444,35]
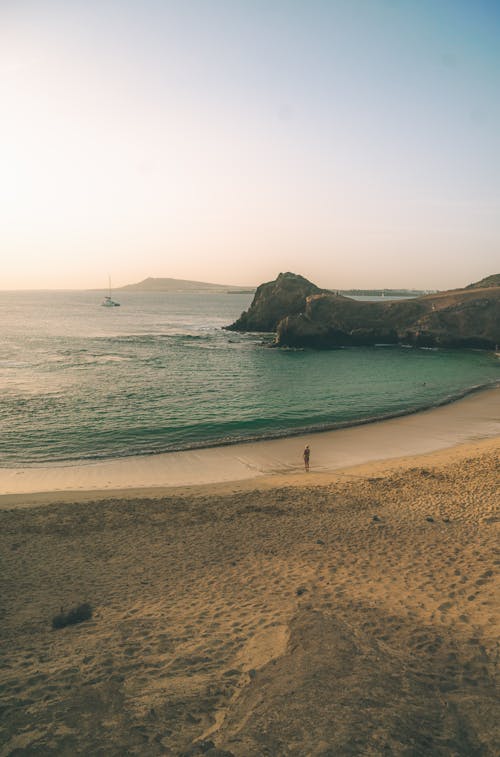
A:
[472,418]
[351,611]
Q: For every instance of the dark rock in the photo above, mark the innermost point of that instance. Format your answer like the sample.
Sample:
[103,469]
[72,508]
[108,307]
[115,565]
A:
[274,300]
[303,315]
[301,590]
[460,319]
[78,614]
[430,519]
[376,518]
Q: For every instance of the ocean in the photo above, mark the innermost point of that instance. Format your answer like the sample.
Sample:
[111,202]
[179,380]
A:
[80,382]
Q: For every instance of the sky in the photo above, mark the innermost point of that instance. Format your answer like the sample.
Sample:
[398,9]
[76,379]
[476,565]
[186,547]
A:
[356,142]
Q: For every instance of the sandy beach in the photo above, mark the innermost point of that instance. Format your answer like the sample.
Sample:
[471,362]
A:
[242,607]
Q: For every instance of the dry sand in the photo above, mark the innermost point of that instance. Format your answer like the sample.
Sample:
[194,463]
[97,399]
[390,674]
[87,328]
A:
[351,612]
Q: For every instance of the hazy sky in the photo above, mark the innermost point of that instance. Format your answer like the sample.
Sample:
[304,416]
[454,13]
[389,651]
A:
[354,141]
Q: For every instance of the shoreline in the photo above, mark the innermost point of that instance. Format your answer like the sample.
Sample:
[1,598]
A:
[268,436]
[470,419]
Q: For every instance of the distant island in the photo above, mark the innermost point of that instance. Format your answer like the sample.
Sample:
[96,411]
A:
[182,285]
[303,315]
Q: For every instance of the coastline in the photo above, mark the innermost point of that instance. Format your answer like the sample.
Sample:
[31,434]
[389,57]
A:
[469,419]
[268,435]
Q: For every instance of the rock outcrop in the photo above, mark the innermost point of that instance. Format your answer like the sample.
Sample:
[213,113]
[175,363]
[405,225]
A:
[273,301]
[463,318]
[468,318]
[486,283]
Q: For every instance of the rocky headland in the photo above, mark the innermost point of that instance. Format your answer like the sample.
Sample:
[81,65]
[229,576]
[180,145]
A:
[303,315]
[275,300]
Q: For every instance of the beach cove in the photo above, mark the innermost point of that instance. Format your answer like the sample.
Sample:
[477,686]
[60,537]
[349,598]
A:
[242,607]
[250,379]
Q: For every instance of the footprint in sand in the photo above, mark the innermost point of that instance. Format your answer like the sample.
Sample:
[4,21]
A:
[445,606]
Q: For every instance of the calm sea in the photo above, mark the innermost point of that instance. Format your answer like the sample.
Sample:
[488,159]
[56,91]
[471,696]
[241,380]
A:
[83,382]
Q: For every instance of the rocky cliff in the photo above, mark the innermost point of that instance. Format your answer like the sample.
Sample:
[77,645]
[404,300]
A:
[273,301]
[489,281]
[322,319]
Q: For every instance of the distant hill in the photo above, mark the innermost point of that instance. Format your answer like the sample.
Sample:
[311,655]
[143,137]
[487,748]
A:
[181,285]
[489,281]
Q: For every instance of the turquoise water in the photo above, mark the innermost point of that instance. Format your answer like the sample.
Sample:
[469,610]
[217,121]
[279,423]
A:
[82,382]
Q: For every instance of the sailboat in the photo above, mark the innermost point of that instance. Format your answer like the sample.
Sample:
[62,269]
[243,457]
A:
[107,301]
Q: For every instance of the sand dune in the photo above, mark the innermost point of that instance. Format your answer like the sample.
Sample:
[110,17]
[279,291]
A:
[356,616]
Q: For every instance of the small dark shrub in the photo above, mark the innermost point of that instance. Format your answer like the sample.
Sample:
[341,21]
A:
[75,615]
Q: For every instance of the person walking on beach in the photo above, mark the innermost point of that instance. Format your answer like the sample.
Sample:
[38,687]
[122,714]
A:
[306,455]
